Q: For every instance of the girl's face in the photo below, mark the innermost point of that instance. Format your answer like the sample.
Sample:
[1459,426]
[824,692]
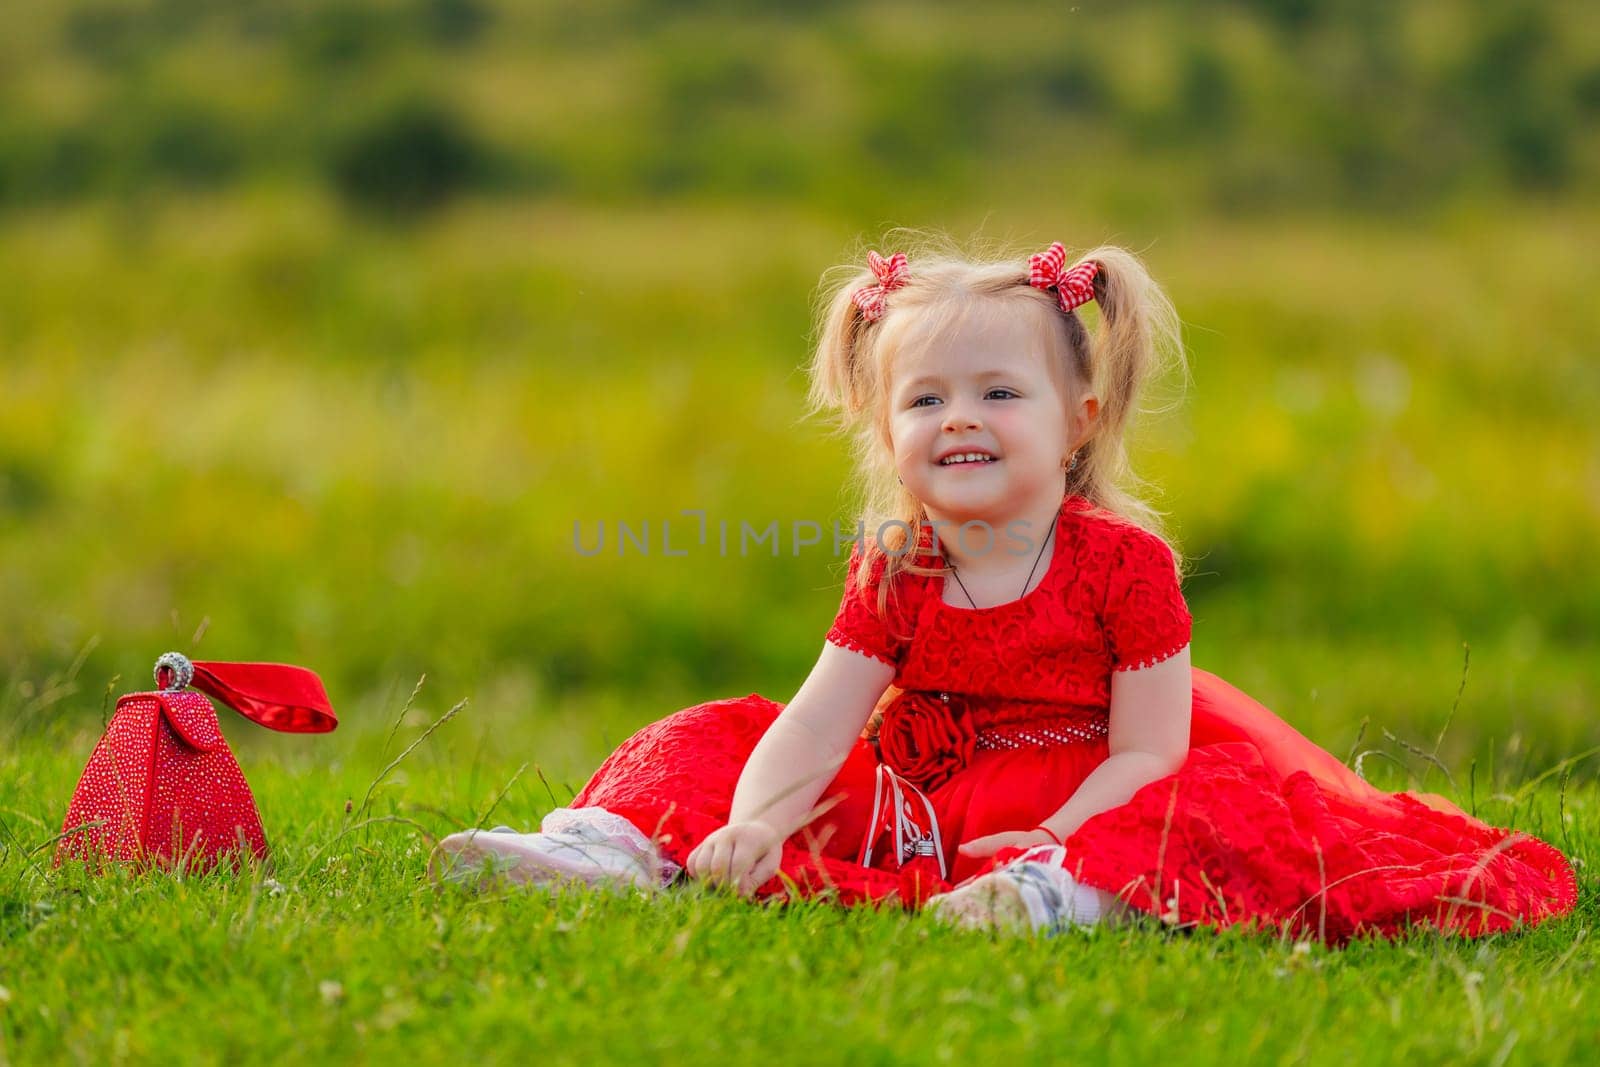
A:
[982,390]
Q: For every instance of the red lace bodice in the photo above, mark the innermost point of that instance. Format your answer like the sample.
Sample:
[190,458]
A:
[1110,601]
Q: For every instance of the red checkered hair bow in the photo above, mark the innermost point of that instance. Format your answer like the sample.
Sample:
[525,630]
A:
[891,275]
[1073,287]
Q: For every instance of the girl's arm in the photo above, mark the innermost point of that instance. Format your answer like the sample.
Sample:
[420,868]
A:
[1150,714]
[790,767]
[805,747]
[1150,711]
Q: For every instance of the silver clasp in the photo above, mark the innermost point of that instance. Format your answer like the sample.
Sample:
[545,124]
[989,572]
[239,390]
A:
[179,670]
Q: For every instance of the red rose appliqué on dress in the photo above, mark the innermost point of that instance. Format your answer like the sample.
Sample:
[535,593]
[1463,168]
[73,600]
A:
[926,738]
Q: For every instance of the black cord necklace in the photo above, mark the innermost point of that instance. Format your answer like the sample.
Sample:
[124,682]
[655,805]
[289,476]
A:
[957,576]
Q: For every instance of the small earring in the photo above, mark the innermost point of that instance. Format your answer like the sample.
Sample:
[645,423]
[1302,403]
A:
[1072,466]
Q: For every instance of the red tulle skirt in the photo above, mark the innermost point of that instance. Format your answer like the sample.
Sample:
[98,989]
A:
[1260,827]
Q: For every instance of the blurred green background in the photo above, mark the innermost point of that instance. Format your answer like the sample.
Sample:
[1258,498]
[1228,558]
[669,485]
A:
[322,324]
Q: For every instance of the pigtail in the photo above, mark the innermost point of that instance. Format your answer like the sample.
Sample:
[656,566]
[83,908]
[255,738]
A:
[1138,336]
[838,373]
[849,379]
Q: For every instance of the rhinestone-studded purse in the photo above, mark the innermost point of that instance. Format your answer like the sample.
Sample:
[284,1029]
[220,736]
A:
[162,786]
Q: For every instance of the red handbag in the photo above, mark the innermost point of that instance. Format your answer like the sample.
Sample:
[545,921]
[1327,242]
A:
[163,787]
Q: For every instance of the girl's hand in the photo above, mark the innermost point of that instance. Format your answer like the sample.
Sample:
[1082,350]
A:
[742,855]
[989,844]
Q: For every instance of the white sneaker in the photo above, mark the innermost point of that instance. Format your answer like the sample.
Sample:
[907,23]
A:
[590,846]
[1033,893]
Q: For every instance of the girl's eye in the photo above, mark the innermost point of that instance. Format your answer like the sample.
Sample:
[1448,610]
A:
[918,402]
[1003,392]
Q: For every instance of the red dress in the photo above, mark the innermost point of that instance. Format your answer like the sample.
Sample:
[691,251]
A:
[1004,712]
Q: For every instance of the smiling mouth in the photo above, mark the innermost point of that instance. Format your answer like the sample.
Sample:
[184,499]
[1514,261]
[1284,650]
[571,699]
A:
[968,459]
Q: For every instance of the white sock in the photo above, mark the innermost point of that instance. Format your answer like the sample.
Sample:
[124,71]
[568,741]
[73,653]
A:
[1055,900]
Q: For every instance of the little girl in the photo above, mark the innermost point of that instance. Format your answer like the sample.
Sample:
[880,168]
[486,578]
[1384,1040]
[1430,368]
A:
[1044,754]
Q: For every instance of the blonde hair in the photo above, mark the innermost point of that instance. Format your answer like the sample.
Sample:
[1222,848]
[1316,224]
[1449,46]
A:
[1137,335]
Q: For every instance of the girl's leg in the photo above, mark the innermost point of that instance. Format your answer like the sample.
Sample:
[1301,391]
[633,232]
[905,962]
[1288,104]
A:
[674,780]
[660,794]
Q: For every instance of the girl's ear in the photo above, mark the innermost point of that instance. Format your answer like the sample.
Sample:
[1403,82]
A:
[1084,419]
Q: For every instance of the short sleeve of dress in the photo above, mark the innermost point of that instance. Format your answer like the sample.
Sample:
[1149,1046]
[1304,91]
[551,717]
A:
[859,626]
[1146,619]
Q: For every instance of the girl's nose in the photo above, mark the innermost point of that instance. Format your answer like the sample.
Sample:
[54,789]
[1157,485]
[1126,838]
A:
[956,419]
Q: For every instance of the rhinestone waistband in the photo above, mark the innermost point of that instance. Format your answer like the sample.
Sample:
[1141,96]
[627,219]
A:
[1043,735]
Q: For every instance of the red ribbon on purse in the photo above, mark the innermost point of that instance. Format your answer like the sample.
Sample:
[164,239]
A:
[275,695]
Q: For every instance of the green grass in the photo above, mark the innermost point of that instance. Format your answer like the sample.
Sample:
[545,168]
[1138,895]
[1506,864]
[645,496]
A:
[342,949]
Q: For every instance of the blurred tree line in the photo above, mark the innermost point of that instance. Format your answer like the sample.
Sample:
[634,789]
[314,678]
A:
[401,104]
